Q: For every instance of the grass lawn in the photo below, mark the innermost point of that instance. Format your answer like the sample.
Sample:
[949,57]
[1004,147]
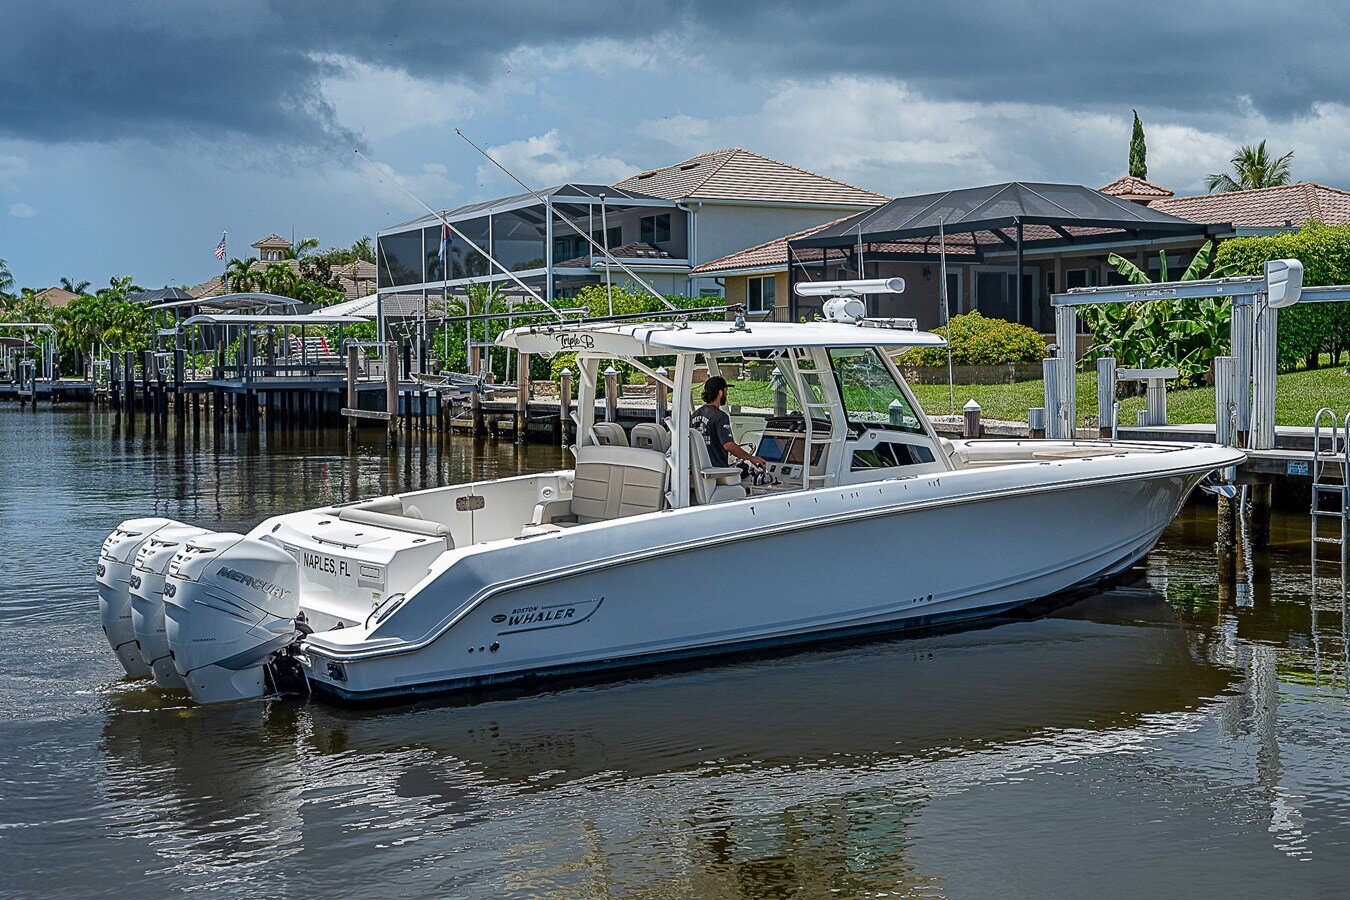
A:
[1297,398]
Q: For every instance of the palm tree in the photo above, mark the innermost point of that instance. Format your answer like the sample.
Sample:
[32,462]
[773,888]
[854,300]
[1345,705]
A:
[75,287]
[240,277]
[280,279]
[303,248]
[120,288]
[7,278]
[1254,169]
[363,248]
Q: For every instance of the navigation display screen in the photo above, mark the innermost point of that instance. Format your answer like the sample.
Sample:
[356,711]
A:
[772,449]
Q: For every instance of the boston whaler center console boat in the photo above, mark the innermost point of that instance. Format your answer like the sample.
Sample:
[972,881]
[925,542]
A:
[865,521]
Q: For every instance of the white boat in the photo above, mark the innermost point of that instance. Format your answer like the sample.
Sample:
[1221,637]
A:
[866,520]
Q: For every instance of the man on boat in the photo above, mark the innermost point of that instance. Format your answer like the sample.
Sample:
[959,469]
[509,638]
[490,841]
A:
[715,426]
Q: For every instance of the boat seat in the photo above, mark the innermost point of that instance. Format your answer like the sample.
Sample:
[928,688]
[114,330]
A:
[720,484]
[608,483]
[392,513]
[609,434]
[650,436]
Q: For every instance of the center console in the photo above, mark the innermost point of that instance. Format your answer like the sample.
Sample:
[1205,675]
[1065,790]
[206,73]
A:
[783,444]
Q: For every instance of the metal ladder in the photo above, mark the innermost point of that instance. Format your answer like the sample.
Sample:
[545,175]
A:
[802,368]
[1331,461]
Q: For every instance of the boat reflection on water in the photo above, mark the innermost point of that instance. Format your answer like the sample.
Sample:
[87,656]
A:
[797,769]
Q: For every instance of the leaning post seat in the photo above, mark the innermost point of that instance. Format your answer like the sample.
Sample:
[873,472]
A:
[712,484]
[609,482]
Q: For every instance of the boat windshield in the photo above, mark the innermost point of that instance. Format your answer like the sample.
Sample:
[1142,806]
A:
[872,397]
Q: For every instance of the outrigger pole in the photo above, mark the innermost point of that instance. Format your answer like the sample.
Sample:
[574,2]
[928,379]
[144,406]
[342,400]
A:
[461,235]
[574,226]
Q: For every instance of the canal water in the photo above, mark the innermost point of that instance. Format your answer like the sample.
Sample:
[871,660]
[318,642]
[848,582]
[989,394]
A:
[1182,733]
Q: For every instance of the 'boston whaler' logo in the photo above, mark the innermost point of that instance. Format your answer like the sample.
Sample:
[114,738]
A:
[575,341]
[533,618]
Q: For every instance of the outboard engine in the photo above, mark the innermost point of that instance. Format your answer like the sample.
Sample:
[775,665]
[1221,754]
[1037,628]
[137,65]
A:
[147,600]
[114,588]
[230,604]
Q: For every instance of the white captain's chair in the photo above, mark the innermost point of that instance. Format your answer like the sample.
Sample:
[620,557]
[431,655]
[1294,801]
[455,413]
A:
[712,484]
[609,434]
[650,436]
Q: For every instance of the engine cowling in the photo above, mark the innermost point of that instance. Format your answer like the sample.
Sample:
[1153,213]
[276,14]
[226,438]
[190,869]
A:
[114,588]
[230,603]
[147,600]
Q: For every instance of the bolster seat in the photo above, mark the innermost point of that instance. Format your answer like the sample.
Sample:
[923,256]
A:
[609,482]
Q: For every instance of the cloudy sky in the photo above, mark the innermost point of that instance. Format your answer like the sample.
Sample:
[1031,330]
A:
[132,133]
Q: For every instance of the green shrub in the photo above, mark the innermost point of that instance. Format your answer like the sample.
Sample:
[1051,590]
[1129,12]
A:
[980,341]
[1305,331]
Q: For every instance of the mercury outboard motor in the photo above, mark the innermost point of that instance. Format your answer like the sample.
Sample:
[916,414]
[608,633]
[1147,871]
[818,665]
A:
[114,588]
[230,604]
[147,600]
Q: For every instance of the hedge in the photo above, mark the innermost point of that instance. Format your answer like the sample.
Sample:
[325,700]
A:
[1306,331]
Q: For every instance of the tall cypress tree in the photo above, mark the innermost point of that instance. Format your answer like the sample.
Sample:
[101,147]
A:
[1138,151]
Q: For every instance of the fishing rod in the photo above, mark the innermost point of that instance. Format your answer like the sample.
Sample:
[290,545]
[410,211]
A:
[574,226]
[459,234]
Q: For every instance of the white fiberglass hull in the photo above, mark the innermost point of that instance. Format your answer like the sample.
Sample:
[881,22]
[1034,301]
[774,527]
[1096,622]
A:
[764,572]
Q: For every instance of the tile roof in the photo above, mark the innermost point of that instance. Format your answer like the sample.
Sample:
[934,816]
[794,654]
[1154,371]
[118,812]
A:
[1273,207]
[273,240]
[1130,187]
[738,174]
[773,254]
[56,297]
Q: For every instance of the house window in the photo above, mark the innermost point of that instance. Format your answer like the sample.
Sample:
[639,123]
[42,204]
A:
[759,294]
[656,229]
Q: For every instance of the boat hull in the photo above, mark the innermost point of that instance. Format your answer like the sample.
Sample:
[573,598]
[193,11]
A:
[790,570]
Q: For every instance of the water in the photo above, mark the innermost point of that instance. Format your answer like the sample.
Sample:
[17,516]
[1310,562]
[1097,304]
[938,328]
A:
[1171,736]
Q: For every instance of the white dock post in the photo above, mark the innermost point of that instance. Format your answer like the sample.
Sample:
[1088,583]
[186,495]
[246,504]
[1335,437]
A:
[1240,332]
[1106,396]
[1263,380]
[1054,399]
[1066,335]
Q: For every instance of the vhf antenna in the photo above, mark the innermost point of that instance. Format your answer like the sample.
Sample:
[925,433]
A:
[462,236]
[590,240]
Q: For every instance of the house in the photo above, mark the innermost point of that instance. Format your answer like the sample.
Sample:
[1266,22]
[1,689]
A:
[661,224]
[357,279]
[56,297]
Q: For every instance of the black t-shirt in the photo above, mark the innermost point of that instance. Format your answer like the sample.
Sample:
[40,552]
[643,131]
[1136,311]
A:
[715,426]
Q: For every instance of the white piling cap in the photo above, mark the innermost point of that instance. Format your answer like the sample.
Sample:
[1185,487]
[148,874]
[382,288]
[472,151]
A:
[972,406]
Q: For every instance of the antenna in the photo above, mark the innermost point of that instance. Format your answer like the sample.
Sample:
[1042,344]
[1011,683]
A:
[590,240]
[461,235]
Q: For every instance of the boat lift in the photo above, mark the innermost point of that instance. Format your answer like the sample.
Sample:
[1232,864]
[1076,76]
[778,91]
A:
[1245,382]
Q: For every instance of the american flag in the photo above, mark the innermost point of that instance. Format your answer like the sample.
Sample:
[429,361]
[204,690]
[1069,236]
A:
[220,248]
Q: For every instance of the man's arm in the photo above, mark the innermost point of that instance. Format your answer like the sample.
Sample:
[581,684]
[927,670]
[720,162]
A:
[738,451]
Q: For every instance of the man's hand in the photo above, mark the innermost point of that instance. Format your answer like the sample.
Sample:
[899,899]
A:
[736,450]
